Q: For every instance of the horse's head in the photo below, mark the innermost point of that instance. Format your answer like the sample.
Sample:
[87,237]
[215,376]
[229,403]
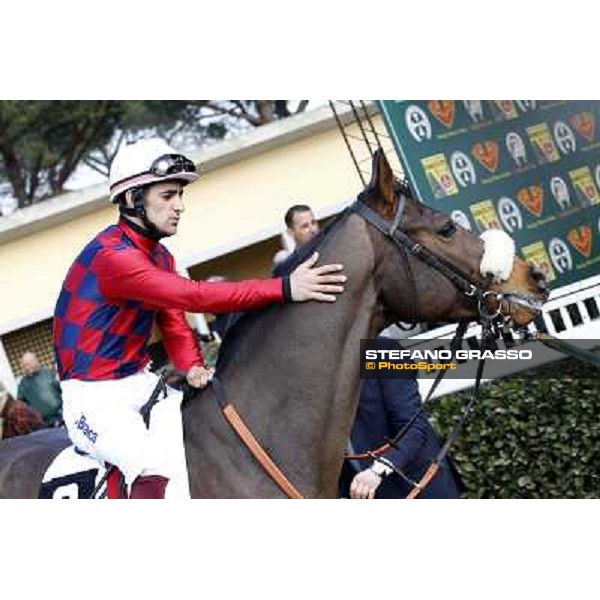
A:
[434,270]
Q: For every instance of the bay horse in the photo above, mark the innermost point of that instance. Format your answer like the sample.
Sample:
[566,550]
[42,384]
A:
[292,371]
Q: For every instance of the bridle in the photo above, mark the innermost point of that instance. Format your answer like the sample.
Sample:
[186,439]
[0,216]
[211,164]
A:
[478,292]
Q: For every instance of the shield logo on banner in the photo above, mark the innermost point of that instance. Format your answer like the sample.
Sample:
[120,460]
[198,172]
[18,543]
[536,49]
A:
[443,111]
[581,238]
[532,198]
[585,124]
[486,154]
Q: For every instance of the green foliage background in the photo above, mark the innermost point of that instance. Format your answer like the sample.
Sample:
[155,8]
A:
[43,142]
[530,438]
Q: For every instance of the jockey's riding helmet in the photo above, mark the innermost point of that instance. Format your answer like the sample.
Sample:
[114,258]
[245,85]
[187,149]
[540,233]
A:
[148,161]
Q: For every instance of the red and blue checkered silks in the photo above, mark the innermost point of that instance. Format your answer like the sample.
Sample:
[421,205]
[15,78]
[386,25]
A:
[118,287]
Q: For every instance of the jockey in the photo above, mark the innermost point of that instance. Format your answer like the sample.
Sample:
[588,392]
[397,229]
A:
[122,284]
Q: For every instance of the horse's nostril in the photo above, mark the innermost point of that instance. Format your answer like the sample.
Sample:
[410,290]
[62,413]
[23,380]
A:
[542,286]
[538,275]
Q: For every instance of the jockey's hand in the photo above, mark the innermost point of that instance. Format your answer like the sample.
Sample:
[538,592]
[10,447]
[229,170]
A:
[308,282]
[198,377]
[364,485]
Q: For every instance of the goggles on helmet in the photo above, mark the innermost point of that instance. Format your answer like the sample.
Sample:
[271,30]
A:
[171,164]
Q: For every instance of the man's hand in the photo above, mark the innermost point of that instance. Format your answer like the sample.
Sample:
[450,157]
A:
[198,377]
[308,282]
[364,485]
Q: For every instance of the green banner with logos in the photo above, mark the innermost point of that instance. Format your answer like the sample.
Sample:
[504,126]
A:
[530,167]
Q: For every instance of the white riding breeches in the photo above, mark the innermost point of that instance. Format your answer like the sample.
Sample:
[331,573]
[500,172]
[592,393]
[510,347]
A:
[103,419]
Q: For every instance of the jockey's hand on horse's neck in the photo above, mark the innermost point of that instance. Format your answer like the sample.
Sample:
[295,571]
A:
[308,282]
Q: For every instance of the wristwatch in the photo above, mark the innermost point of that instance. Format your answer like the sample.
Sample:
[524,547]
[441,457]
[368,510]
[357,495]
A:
[381,467]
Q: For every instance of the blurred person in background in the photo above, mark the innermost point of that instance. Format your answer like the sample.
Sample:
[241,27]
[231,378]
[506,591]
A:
[40,390]
[301,227]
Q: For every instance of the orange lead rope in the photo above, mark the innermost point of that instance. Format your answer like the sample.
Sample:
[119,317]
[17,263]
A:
[431,472]
[247,437]
[267,463]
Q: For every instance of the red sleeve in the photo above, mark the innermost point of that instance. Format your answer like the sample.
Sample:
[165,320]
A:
[179,339]
[128,274]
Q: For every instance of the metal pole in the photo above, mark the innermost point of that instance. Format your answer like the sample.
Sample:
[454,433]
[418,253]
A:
[343,132]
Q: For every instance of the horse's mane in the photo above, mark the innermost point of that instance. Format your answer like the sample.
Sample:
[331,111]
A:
[243,321]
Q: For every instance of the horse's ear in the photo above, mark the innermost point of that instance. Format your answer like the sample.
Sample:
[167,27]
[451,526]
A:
[380,191]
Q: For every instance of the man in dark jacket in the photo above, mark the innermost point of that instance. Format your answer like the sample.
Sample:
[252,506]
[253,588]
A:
[40,389]
[385,406]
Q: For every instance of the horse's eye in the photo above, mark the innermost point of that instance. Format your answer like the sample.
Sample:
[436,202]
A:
[448,230]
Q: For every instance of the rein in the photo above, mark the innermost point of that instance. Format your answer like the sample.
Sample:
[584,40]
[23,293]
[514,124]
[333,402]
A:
[560,345]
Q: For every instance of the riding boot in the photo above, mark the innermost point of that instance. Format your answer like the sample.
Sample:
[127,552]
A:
[149,487]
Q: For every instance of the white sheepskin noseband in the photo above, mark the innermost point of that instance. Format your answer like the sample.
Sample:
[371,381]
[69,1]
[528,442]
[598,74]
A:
[498,254]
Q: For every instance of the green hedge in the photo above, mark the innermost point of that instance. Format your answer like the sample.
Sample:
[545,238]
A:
[529,438]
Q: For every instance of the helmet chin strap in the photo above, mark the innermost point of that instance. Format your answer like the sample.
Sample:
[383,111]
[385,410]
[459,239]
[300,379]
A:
[139,210]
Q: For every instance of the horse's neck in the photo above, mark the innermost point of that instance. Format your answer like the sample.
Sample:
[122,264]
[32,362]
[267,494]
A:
[295,377]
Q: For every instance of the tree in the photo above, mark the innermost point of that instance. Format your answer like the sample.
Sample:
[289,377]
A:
[43,142]
[189,123]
